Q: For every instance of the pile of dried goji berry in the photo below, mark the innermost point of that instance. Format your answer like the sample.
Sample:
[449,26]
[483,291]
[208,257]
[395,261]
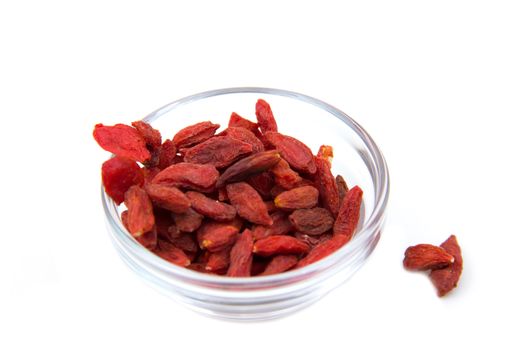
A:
[444,262]
[246,201]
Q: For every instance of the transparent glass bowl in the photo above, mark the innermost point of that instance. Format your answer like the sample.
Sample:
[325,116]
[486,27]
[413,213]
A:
[312,121]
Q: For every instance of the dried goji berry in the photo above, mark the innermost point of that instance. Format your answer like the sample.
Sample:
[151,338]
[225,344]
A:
[188,221]
[348,217]
[194,134]
[342,187]
[326,152]
[296,153]
[259,264]
[284,176]
[241,256]
[148,240]
[200,267]
[253,164]
[210,207]
[245,136]
[280,263]
[447,278]
[219,151]
[322,250]
[312,241]
[168,197]
[276,190]
[281,226]
[153,141]
[118,175]
[171,253]
[163,222]
[149,173]
[265,117]
[304,197]
[426,256]
[270,206]
[248,203]
[200,177]
[167,154]
[327,186]
[215,236]
[186,242]
[218,261]
[263,183]
[140,218]
[275,245]
[240,122]
[122,140]
[222,195]
[314,221]
[149,134]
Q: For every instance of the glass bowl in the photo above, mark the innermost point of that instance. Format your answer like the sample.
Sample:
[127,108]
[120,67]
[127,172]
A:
[312,121]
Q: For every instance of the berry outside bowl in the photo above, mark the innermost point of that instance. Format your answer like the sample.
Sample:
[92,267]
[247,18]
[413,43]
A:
[356,157]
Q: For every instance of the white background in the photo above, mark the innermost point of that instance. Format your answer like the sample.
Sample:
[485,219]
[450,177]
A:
[439,85]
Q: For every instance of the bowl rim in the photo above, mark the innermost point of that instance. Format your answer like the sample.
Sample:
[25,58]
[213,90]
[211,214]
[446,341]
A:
[374,221]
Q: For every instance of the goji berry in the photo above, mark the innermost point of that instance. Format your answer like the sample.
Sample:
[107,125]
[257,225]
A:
[276,190]
[168,197]
[118,175]
[275,245]
[150,135]
[263,183]
[171,253]
[280,263]
[296,153]
[186,242]
[163,223]
[314,221]
[322,250]
[259,264]
[218,261]
[270,206]
[326,152]
[248,203]
[312,241]
[148,240]
[149,173]
[211,208]
[447,278]
[167,154]
[140,218]
[245,136]
[222,195]
[240,122]
[188,221]
[241,256]
[215,236]
[219,151]
[304,197]
[348,217]
[265,117]
[327,186]
[254,164]
[199,177]
[342,187]
[284,176]
[280,226]
[426,256]
[194,134]
[122,140]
